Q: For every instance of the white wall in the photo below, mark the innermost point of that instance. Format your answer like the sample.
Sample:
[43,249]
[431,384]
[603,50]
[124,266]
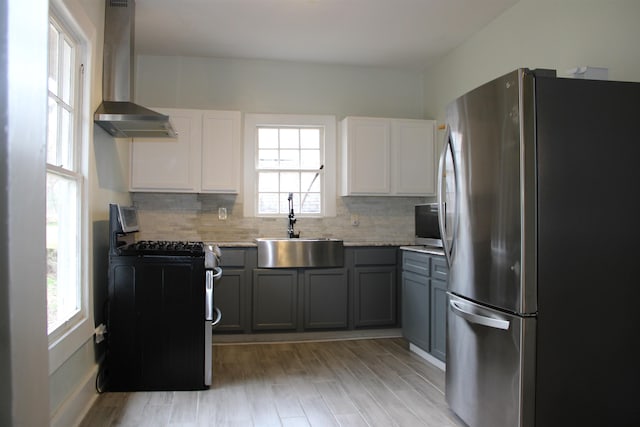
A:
[277,87]
[541,34]
[23,336]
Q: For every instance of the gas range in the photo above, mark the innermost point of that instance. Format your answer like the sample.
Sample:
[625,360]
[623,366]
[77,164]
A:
[163,248]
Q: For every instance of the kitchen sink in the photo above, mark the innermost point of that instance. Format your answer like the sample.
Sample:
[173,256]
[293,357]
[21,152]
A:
[294,253]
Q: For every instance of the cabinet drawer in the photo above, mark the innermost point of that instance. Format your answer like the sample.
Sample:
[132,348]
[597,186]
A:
[232,257]
[439,268]
[375,256]
[416,262]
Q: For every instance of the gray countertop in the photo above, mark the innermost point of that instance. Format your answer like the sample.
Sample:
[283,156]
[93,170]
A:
[424,249]
[252,244]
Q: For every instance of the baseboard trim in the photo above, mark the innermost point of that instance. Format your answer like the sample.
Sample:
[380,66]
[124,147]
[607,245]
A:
[429,358]
[271,338]
[76,406]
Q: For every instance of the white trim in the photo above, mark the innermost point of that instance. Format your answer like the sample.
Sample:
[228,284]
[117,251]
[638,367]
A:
[73,18]
[251,123]
[428,357]
[78,404]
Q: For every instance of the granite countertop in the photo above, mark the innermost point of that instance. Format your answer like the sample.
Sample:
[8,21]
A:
[424,249]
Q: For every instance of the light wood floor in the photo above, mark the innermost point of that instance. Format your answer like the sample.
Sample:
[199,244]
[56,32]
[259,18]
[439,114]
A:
[371,382]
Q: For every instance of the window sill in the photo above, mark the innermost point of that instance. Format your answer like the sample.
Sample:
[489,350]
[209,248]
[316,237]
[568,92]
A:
[62,348]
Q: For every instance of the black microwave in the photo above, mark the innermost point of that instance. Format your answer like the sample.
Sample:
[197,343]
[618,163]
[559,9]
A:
[427,226]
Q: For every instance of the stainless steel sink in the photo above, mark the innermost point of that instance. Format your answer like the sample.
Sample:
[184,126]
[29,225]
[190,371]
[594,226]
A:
[293,253]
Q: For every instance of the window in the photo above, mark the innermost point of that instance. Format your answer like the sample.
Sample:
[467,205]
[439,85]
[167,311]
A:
[289,154]
[66,302]
[289,162]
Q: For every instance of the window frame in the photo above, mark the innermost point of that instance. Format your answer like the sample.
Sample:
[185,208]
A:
[75,331]
[252,122]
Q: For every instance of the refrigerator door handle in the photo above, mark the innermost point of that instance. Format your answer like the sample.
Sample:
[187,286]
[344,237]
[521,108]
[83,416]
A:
[477,318]
[441,196]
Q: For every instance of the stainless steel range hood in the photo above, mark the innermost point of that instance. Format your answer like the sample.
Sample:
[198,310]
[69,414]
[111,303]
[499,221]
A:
[117,114]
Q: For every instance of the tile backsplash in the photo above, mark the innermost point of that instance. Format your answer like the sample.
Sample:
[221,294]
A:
[169,216]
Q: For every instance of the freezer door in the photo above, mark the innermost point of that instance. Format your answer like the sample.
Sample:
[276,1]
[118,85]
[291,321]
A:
[491,152]
[490,365]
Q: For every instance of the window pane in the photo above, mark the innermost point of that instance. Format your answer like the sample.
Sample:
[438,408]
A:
[65,158]
[268,181]
[53,59]
[267,138]
[310,138]
[311,203]
[63,284]
[310,159]
[289,159]
[289,138]
[67,73]
[268,159]
[290,182]
[307,182]
[268,203]
[52,133]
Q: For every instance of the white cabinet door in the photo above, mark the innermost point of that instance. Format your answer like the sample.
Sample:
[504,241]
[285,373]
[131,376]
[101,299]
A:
[166,164]
[413,157]
[388,157]
[221,151]
[205,157]
[365,155]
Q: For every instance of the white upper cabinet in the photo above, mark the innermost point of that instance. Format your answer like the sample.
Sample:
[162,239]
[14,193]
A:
[221,161]
[388,157]
[203,158]
[413,157]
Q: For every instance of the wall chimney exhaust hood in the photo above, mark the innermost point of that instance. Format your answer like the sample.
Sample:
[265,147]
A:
[117,114]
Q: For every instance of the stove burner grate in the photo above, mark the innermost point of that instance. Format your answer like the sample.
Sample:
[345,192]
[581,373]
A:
[163,247]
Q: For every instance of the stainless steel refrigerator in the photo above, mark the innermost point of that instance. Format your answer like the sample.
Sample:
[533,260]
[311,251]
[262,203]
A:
[540,210]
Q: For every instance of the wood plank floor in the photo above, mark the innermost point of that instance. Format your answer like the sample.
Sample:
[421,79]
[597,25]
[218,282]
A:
[371,382]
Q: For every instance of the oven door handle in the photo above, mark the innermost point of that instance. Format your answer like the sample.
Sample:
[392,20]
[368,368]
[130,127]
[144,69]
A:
[208,295]
[218,273]
[218,318]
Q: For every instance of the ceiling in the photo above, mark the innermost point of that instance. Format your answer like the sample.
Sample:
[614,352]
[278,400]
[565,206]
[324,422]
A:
[409,34]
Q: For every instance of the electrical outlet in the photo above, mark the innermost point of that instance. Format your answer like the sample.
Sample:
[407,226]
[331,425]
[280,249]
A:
[222,214]
[355,220]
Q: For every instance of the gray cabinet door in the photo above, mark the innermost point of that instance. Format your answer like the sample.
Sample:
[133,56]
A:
[416,309]
[230,299]
[438,315]
[325,298]
[275,299]
[374,296]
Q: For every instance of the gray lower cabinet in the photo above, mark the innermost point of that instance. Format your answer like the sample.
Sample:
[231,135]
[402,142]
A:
[438,316]
[326,297]
[232,291]
[424,301]
[415,308]
[362,294]
[275,299]
[374,286]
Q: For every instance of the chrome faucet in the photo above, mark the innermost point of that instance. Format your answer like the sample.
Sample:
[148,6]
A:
[292,219]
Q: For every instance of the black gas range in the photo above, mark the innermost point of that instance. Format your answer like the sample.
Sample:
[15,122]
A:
[163,248]
[160,310]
